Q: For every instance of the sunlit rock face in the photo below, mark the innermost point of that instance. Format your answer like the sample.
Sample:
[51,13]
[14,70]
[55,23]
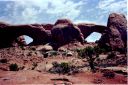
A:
[113,35]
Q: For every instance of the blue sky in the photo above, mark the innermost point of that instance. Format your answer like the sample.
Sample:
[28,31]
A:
[48,11]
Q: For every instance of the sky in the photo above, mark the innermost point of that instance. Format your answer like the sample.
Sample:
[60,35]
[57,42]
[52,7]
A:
[48,11]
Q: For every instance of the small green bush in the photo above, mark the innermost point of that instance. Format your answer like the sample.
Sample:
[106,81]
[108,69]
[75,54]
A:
[53,53]
[65,66]
[13,67]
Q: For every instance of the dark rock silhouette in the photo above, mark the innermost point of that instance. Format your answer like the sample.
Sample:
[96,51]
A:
[114,35]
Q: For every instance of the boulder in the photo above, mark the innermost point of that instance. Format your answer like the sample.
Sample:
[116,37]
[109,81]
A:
[63,34]
[20,41]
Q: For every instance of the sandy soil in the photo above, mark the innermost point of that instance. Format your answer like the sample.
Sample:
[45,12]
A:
[35,77]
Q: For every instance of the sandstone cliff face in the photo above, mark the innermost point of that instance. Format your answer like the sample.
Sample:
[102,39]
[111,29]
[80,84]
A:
[117,24]
[114,35]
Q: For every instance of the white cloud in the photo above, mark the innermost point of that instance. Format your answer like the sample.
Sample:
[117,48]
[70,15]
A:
[104,3]
[65,8]
[113,6]
[34,11]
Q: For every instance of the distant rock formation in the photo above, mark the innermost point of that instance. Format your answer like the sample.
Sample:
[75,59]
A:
[114,35]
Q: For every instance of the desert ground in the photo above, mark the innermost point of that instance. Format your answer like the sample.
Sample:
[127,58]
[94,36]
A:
[34,68]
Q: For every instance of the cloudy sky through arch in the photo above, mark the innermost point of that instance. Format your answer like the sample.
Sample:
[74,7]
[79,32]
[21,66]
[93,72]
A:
[48,11]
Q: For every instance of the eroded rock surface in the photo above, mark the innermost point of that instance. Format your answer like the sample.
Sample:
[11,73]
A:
[115,36]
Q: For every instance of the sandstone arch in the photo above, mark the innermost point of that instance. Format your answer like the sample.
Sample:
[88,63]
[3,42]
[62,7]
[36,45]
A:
[114,34]
[10,33]
[87,29]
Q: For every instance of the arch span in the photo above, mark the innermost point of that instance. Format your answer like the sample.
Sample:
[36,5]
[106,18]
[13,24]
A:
[10,33]
[87,29]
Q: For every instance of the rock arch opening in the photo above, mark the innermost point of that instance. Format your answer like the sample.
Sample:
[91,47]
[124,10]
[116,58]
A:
[28,39]
[93,37]
[22,40]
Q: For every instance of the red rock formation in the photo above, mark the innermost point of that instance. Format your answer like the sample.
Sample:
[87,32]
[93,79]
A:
[64,22]
[87,29]
[115,36]
[63,34]
[10,33]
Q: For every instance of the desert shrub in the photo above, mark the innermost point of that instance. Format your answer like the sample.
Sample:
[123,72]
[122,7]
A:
[13,67]
[64,53]
[107,49]
[63,68]
[109,74]
[88,53]
[3,60]
[53,53]
[22,47]
[80,53]
[55,64]
[97,49]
